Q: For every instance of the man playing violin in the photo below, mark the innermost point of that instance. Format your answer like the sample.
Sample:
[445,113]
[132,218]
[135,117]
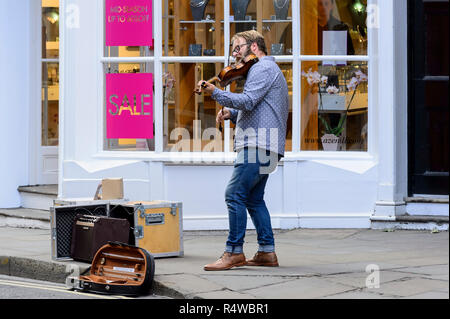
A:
[260,113]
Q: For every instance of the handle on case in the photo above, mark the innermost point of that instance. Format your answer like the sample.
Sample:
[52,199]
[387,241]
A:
[118,243]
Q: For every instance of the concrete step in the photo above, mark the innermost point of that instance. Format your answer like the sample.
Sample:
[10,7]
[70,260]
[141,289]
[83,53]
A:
[427,205]
[25,218]
[413,222]
[38,196]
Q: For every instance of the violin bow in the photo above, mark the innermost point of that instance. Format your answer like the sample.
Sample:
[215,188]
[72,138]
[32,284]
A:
[228,63]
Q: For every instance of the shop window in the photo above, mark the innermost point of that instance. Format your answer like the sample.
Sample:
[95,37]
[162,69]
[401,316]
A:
[134,104]
[50,72]
[190,119]
[334,106]
[196,29]
[193,28]
[129,28]
[333,27]
[333,109]
[129,87]
[195,45]
[272,18]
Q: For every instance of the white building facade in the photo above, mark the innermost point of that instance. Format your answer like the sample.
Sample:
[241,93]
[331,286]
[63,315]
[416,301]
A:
[367,178]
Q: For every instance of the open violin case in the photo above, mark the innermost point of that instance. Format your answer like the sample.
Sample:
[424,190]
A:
[120,269]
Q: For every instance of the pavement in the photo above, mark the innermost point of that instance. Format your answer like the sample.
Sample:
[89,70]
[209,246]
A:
[314,263]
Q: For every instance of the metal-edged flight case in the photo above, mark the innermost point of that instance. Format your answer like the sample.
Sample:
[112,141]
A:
[156,226]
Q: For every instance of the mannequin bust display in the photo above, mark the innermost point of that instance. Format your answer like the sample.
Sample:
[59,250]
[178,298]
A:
[281,8]
[198,9]
[239,9]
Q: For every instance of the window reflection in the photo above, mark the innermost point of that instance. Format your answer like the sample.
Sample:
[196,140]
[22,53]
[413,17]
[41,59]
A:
[333,27]
[334,107]
[273,19]
[190,119]
[50,32]
[192,28]
[50,103]
[50,73]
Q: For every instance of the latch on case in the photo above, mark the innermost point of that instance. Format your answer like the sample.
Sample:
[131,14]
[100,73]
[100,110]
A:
[138,232]
[173,209]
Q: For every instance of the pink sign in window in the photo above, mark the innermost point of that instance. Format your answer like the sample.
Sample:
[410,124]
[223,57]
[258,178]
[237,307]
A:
[128,23]
[129,105]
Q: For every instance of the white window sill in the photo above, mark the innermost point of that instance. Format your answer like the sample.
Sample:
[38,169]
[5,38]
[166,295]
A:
[196,158]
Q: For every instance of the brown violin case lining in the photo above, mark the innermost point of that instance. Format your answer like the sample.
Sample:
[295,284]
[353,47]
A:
[119,268]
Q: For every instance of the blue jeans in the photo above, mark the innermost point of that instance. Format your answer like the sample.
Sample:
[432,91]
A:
[245,191]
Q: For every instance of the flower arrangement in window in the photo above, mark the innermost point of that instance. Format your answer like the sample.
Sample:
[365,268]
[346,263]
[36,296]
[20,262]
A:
[169,82]
[315,78]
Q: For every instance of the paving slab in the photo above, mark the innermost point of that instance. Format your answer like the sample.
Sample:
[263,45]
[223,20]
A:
[305,288]
[412,286]
[313,264]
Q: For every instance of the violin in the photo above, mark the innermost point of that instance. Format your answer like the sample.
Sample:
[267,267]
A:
[232,73]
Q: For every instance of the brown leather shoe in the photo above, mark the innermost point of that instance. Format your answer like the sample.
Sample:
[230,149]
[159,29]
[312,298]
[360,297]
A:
[264,259]
[227,261]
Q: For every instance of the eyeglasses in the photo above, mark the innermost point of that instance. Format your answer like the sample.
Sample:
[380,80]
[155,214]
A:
[238,47]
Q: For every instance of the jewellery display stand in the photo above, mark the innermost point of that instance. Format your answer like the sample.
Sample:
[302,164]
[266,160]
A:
[209,52]
[198,8]
[277,49]
[281,8]
[189,28]
[195,50]
[272,20]
[194,35]
[239,9]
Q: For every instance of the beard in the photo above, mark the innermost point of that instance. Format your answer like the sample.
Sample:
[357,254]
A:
[246,54]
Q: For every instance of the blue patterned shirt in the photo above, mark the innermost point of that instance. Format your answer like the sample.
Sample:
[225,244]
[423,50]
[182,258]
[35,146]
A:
[261,111]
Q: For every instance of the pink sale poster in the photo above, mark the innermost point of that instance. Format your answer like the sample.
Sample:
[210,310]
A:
[129,105]
[128,23]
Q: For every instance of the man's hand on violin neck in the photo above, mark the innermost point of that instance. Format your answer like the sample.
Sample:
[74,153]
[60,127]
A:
[223,115]
[206,87]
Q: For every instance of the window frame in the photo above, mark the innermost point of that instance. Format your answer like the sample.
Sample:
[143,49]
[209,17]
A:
[227,156]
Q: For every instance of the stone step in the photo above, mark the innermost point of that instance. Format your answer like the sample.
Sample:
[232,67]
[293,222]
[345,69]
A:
[427,205]
[413,222]
[38,196]
[25,218]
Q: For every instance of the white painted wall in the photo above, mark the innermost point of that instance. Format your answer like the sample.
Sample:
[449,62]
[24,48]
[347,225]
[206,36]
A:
[392,109]
[314,190]
[16,83]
